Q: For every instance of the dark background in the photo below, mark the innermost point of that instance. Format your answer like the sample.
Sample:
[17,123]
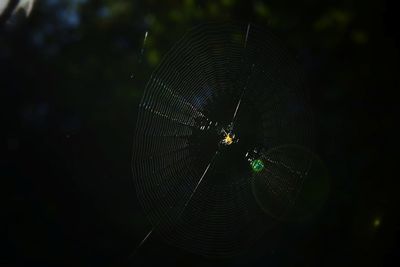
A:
[71,78]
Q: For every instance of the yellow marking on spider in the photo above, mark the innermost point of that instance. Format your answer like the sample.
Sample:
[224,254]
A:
[228,139]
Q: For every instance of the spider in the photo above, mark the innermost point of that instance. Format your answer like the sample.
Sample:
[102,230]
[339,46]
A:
[228,138]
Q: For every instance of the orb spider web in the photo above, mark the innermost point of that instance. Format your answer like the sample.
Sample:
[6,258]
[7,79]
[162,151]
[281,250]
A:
[213,128]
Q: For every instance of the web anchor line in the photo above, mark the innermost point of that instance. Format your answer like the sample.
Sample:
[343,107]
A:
[187,202]
[201,179]
[245,87]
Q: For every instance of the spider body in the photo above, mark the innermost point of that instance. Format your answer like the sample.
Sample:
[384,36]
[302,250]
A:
[228,137]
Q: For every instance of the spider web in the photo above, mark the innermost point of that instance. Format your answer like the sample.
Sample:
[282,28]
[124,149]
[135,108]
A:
[197,194]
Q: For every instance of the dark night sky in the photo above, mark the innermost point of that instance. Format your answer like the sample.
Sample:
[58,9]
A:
[71,78]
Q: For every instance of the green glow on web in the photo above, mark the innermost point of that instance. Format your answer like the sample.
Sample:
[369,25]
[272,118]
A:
[257,165]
